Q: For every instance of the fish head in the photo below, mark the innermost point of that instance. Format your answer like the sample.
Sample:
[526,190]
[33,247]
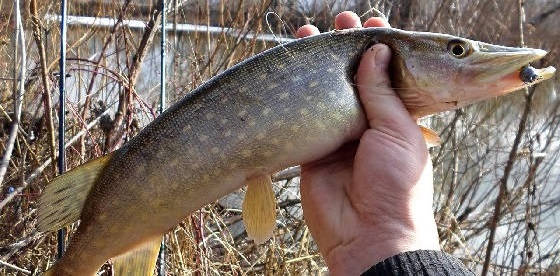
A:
[437,72]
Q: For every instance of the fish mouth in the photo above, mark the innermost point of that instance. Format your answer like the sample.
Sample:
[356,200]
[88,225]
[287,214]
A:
[499,61]
[523,78]
[509,68]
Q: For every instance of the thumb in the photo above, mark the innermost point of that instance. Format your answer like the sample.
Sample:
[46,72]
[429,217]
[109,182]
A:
[384,110]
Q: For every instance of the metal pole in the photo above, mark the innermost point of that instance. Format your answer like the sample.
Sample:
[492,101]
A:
[162,95]
[175,48]
[162,100]
[61,112]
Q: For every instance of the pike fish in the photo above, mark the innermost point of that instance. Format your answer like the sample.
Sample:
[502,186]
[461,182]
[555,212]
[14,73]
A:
[289,105]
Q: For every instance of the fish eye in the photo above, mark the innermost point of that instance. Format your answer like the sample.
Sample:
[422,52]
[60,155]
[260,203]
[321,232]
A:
[458,49]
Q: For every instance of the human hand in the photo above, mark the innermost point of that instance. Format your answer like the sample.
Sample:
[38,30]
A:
[371,199]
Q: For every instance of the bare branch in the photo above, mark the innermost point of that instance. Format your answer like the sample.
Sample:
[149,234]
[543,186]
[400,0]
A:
[40,169]
[18,94]
[36,24]
[24,271]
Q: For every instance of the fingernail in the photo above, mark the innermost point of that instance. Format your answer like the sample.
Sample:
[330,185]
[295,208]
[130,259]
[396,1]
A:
[382,55]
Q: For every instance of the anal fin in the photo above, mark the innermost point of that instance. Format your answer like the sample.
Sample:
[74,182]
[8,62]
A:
[138,262]
[62,200]
[259,209]
[431,137]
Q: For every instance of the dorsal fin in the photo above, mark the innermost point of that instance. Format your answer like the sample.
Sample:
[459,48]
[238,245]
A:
[138,262]
[62,200]
[259,209]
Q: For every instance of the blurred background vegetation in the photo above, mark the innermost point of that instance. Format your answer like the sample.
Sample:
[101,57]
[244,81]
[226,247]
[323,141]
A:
[496,174]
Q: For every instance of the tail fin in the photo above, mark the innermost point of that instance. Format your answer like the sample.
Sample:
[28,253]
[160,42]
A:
[63,199]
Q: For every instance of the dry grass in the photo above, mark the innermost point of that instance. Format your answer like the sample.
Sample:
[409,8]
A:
[468,166]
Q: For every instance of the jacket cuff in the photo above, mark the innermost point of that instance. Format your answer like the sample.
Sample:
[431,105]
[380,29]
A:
[420,262]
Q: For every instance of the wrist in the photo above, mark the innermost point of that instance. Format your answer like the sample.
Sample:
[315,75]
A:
[374,245]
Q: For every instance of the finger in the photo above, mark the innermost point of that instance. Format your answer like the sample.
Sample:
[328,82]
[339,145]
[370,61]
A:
[347,20]
[376,22]
[383,108]
[307,30]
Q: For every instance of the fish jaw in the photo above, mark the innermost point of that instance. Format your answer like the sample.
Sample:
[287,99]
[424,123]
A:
[515,81]
[463,96]
[500,70]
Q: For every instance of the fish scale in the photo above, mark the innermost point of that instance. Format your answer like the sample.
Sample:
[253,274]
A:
[289,105]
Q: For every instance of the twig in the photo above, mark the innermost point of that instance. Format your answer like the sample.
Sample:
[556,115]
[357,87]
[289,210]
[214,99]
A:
[18,95]
[126,97]
[503,183]
[375,12]
[511,159]
[40,169]
[436,15]
[286,174]
[446,210]
[16,246]
[24,271]
[543,16]
[8,79]
[36,24]
[298,259]
[87,102]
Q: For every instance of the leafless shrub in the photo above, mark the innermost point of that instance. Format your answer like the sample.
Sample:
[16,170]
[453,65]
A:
[104,86]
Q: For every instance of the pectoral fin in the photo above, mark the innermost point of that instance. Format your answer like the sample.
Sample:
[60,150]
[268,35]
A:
[431,137]
[140,261]
[259,209]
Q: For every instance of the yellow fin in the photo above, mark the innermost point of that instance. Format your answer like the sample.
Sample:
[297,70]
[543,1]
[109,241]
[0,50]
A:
[259,209]
[62,200]
[138,262]
[431,137]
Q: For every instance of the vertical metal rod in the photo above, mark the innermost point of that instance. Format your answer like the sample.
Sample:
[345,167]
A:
[175,48]
[162,94]
[162,101]
[61,112]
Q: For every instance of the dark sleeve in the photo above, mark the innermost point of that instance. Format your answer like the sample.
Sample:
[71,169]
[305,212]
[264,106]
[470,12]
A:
[421,262]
